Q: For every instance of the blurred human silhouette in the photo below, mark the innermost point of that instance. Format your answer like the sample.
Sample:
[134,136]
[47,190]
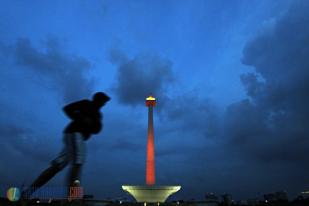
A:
[86,120]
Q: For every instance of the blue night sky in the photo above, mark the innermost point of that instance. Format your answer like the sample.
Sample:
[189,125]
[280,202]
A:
[231,80]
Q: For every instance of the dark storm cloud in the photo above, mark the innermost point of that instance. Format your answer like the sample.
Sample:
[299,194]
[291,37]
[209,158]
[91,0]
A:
[116,56]
[23,140]
[195,114]
[60,71]
[272,125]
[51,68]
[141,76]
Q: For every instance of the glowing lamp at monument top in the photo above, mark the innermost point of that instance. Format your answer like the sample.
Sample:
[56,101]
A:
[150,101]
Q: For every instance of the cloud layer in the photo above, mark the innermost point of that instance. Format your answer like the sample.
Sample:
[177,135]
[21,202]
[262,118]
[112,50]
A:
[272,125]
[65,73]
[141,76]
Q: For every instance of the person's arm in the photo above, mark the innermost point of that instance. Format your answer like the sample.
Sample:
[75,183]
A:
[74,110]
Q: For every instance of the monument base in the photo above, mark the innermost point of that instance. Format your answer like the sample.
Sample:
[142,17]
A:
[150,194]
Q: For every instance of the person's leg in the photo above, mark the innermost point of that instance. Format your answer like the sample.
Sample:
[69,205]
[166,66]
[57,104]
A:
[56,166]
[43,178]
[78,156]
[75,174]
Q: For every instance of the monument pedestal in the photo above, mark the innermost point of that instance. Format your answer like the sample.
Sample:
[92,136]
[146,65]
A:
[150,194]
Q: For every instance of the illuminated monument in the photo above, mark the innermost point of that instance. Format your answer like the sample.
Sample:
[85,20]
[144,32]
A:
[150,192]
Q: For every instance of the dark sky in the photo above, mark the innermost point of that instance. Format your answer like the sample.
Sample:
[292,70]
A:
[231,80]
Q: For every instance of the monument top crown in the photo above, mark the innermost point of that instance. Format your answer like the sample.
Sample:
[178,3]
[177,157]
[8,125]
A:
[150,101]
[151,98]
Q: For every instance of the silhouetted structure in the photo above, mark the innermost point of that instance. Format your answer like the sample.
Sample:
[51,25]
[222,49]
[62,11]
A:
[227,199]
[276,197]
[86,120]
[150,192]
[211,197]
[150,162]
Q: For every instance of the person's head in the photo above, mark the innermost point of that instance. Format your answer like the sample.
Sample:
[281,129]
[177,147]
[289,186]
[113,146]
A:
[100,98]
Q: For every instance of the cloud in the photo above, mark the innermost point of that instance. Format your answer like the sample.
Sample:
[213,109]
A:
[189,112]
[141,76]
[32,76]
[272,125]
[23,141]
[63,72]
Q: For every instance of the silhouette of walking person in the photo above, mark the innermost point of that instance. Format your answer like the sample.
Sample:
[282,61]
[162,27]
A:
[86,120]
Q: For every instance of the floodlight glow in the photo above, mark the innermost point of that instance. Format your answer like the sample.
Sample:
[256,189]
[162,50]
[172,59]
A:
[151,98]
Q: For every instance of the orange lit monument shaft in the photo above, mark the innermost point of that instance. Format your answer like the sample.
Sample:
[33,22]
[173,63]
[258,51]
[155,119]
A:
[150,162]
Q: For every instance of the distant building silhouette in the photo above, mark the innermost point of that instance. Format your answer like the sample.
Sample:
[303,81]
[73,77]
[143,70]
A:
[276,197]
[227,199]
[211,197]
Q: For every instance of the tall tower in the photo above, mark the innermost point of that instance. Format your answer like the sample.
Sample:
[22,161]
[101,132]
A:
[150,161]
[150,192]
